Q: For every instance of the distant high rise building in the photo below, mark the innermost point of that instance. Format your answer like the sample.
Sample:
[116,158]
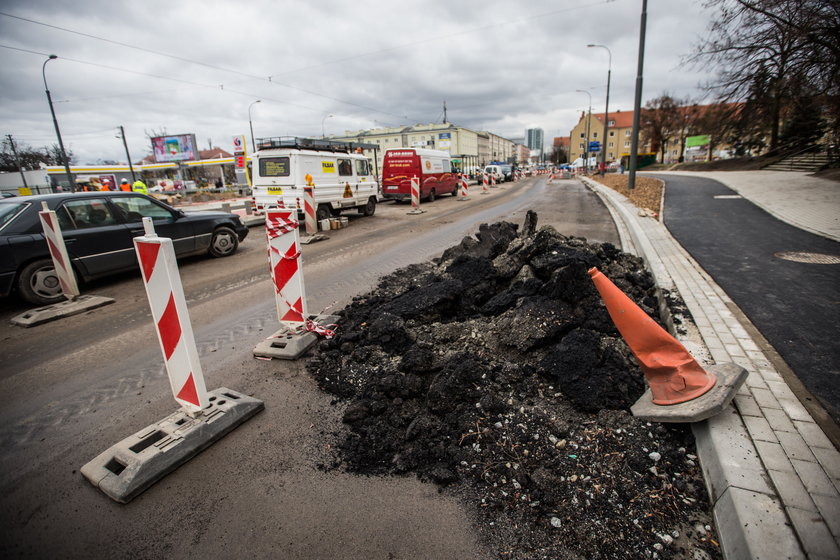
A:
[534,139]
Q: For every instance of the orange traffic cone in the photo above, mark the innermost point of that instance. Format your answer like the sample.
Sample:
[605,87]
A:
[673,374]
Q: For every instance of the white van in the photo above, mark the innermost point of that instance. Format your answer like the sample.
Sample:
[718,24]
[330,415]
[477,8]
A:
[342,178]
[495,171]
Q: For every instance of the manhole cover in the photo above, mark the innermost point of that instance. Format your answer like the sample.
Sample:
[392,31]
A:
[728,196]
[812,258]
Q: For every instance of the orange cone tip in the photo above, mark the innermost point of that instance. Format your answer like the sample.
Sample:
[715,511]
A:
[673,374]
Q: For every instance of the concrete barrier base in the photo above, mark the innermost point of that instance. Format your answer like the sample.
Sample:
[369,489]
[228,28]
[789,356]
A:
[729,376]
[289,344]
[131,466]
[59,310]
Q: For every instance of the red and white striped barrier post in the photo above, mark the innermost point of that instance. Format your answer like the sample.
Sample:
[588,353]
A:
[492,181]
[465,190]
[309,210]
[415,196]
[55,242]
[172,321]
[281,229]
[484,183]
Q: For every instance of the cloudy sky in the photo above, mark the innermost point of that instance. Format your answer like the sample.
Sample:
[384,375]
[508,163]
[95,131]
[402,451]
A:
[196,66]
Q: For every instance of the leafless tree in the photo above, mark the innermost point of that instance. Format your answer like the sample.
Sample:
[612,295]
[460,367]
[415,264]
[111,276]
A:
[769,53]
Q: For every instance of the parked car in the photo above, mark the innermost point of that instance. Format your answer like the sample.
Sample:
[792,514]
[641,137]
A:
[507,172]
[98,230]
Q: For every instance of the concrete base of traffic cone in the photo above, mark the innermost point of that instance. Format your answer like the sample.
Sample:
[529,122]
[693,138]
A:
[729,376]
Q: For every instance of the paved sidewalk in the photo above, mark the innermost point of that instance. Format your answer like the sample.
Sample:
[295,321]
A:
[809,203]
[772,474]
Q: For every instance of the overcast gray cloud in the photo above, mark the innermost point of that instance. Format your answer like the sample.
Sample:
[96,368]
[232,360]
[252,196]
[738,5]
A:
[500,66]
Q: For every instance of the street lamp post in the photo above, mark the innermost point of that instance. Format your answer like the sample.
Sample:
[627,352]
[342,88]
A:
[606,110]
[251,125]
[637,103]
[323,134]
[588,122]
[55,123]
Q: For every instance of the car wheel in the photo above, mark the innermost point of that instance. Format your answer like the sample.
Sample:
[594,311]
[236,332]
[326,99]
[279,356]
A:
[322,212]
[38,283]
[432,195]
[370,208]
[224,242]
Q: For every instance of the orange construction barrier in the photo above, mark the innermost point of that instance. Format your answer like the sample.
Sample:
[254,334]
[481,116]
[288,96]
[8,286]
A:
[673,374]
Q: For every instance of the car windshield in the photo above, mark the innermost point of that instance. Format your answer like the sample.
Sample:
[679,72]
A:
[9,210]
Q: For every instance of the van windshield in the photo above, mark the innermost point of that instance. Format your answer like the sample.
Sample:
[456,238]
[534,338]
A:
[274,167]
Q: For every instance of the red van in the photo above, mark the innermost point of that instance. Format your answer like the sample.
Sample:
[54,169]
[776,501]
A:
[432,167]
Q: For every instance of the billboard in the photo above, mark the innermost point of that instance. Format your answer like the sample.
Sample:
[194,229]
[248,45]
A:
[177,147]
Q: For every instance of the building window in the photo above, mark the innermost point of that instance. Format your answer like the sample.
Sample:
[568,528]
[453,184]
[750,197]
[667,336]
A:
[581,134]
[626,143]
[612,123]
[627,132]
[610,144]
[612,132]
[594,135]
[580,145]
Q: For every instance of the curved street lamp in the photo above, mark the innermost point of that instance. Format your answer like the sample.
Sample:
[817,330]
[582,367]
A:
[606,110]
[55,123]
[251,125]
[588,123]
[323,134]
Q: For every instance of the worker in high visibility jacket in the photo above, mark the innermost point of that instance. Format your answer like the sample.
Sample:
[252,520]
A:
[124,186]
[139,186]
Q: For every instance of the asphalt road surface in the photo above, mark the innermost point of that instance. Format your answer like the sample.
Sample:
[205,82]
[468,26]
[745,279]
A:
[74,387]
[795,305]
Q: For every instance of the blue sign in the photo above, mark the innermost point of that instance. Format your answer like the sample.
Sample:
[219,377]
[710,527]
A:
[594,146]
[444,135]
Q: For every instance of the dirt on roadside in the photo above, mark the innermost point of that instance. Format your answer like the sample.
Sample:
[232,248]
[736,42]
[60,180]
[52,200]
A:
[647,192]
[496,372]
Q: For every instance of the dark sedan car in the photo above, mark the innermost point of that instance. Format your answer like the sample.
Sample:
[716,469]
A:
[98,228]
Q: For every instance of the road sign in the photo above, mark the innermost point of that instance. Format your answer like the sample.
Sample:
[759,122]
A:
[595,146]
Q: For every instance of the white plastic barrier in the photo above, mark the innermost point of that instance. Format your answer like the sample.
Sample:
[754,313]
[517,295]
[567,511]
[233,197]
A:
[281,229]
[55,242]
[172,321]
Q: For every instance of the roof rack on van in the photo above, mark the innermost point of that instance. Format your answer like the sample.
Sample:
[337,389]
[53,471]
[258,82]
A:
[319,144]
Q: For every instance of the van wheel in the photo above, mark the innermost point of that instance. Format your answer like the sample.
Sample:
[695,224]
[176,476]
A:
[322,212]
[368,209]
[431,195]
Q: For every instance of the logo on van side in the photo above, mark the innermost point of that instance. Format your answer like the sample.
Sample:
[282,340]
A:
[327,167]
[428,164]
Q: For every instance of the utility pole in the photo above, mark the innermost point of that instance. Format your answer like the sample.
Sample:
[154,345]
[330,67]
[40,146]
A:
[17,160]
[637,105]
[55,123]
[444,111]
[125,145]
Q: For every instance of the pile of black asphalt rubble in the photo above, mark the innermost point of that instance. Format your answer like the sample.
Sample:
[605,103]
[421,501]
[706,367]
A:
[496,372]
